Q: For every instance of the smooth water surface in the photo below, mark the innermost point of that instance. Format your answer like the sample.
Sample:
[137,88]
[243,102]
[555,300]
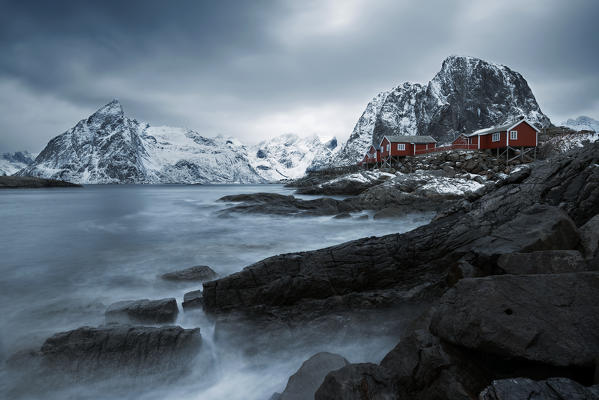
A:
[66,254]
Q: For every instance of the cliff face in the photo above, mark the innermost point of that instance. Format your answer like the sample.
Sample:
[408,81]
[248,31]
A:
[467,94]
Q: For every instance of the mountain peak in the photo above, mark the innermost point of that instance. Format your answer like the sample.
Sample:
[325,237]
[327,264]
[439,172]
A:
[111,110]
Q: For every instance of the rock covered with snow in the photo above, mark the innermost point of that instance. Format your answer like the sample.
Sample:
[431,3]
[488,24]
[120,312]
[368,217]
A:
[11,163]
[466,95]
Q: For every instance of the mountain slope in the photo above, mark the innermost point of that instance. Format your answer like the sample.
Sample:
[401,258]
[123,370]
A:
[10,163]
[467,94]
[289,156]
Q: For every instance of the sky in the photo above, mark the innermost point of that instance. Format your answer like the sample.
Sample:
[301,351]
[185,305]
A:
[258,69]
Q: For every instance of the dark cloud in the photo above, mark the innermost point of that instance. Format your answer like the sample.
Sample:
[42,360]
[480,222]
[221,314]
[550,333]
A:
[257,69]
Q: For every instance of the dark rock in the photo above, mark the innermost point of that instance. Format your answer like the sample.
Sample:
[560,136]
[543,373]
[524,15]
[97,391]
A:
[31,182]
[589,233]
[354,382]
[200,273]
[303,384]
[550,389]
[193,299]
[552,319]
[143,311]
[542,262]
[115,350]
[277,204]
[390,212]
[539,227]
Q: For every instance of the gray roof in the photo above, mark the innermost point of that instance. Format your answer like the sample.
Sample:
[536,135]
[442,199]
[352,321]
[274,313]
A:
[410,139]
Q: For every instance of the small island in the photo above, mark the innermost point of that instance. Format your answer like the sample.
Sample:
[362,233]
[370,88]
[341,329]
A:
[32,182]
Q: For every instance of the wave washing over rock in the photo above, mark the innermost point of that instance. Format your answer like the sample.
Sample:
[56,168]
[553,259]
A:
[466,95]
[109,147]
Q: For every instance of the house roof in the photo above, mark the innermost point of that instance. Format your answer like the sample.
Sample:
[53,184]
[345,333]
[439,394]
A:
[500,128]
[410,139]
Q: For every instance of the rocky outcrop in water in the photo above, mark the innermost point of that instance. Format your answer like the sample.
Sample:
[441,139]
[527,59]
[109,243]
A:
[145,311]
[30,182]
[199,273]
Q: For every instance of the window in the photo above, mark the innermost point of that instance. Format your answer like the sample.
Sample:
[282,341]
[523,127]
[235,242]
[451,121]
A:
[496,137]
[388,146]
[401,146]
[513,135]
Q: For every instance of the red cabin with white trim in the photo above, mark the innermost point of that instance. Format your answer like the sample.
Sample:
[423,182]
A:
[515,134]
[396,146]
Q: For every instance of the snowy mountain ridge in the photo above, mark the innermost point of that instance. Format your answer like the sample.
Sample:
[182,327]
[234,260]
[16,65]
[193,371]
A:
[467,94]
[582,123]
[289,156]
[109,147]
[10,163]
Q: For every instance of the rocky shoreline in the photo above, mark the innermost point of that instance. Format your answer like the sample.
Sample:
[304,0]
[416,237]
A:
[31,182]
[494,299]
[550,207]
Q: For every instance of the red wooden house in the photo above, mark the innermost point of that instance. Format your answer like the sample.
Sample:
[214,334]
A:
[520,133]
[372,156]
[393,147]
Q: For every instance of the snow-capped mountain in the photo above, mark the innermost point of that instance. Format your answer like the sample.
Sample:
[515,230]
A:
[289,156]
[467,94]
[109,147]
[582,123]
[10,163]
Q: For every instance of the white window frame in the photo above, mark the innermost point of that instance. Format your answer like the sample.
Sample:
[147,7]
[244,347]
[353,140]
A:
[388,146]
[496,137]
[513,135]
[401,147]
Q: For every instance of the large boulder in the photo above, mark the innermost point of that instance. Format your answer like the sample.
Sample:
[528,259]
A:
[199,273]
[115,350]
[143,311]
[550,389]
[303,384]
[542,262]
[550,319]
[538,227]
[355,382]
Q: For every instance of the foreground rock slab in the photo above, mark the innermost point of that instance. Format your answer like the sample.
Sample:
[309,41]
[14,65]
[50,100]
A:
[143,311]
[199,273]
[552,319]
[550,389]
[96,352]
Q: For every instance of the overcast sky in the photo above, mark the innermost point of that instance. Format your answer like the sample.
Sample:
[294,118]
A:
[257,69]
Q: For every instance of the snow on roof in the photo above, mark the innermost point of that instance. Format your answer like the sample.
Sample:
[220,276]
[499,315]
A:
[410,139]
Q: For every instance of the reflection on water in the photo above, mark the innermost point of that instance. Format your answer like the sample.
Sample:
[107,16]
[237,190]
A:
[68,253]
